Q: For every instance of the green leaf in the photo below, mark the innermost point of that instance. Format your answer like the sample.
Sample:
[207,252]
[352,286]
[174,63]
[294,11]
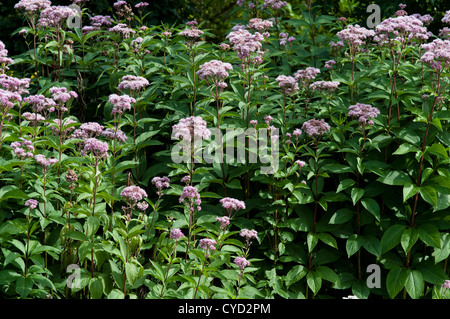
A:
[372,206]
[395,178]
[24,286]
[391,237]
[295,274]
[314,281]
[443,252]
[414,283]
[438,150]
[311,240]
[353,244]
[409,238]
[344,184]
[328,274]
[405,148]
[76,235]
[356,194]
[409,190]
[132,272]
[428,194]
[372,245]
[395,281]
[96,288]
[341,216]
[328,239]
[430,235]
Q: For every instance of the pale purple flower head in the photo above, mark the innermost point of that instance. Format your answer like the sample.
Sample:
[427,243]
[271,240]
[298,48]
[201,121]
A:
[32,7]
[364,112]
[97,148]
[241,262]
[7,100]
[274,4]
[4,60]
[121,103]
[142,206]
[40,103]
[315,128]
[259,25]
[355,35]
[437,54]
[186,179]
[141,5]
[192,194]
[245,43]
[446,284]
[61,95]
[132,83]
[100,21]
[232,204]
[305,76]
[446,18]
[33,117]
[54,16]
[176,234]
[23,148]
[32,203]
[329,64]
[44,162]
[288,84]
[92,128]
[224,221]
[14,84]
[161,183]
[324,86]
[208,244]
[214,71]
[112,134]
[249,234]
[123,30]
[300,163]
[191,127]
[133,194]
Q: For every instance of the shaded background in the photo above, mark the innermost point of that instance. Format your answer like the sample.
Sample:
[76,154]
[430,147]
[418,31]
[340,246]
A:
[217,15]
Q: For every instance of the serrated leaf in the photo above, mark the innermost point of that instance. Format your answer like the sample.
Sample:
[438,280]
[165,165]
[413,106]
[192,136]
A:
[409,238]
[414,283]
[430,235]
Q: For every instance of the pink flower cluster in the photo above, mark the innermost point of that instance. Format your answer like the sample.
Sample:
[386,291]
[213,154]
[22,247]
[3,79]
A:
[45,162]
[329,64]
[23,148]
[245,43]
[323,86]
[33,117]
[4,56]
[437,53]
[176,234]
[40,103]
[215,71]
[192,194]
[260,25]
[64,126]
[32,203]
[224,221]
[97,148]
[32,6]
[133,194]
[191,127]
[61,95]
[403,29]
[232,204]
[14,84]
[54,16]
[207,244]
[285,38]
[160,183]
[112,134]
[274,4]
[315,128]
[121,103]
[446,18]
[288,83]
[7,99]
[249,234]
[355,35]
[132,83]
[122,29]
[241,262]
[364,112]
[305,76]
